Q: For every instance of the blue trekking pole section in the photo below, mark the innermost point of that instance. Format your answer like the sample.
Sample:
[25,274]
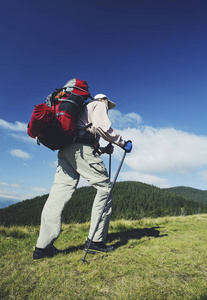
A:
[109,195]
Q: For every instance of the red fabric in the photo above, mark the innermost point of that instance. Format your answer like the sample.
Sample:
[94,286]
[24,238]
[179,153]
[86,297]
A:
[67,124]
[83,91]
[43,114]
[67,121]
[41,117]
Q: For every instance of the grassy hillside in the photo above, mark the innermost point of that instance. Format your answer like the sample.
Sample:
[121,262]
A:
[190,193]
[163,258]
[131,200]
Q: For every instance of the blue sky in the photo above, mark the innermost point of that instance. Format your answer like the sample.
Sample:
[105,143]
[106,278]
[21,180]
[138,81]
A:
[148,56]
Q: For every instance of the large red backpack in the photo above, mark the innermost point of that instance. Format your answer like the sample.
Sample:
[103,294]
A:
[53,122]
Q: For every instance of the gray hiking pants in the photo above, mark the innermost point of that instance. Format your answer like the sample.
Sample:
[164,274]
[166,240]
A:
[73,161]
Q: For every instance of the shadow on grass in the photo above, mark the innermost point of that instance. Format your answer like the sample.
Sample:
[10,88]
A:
[123,237]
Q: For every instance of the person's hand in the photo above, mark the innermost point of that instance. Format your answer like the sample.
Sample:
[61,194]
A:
[128,146]
[109,149]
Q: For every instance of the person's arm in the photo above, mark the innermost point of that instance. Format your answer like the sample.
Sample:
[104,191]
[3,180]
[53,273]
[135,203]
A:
[102,125]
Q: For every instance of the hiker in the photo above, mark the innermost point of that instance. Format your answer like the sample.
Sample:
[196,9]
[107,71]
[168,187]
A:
[82,158]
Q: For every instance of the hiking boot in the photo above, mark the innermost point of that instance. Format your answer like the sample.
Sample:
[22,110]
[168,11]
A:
[40,253]
[98,247]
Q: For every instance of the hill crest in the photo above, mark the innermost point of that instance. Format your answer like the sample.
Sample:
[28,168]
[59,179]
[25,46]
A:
[131,200]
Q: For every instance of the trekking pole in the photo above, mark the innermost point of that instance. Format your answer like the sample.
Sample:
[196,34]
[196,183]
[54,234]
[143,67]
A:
[109,195]
[110,166]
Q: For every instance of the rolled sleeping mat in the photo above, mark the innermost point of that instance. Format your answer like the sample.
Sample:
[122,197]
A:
[41,117]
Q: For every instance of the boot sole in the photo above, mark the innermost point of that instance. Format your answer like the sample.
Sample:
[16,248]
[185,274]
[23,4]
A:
[38,259]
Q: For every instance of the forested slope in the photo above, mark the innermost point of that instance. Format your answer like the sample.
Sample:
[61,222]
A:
[131,200]
[190,193]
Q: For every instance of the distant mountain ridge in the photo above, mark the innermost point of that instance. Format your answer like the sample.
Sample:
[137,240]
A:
[131,200]
[190,193]
[5,202]
[186,192]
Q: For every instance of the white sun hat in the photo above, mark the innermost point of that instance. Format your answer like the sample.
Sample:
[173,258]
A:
[102,96]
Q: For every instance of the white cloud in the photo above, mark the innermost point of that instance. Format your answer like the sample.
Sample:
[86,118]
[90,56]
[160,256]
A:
[120,120]
[157,152]
[39,190]
[19,153]
[23,138]
[11,195]
[17,126]
[146,178]
[82,182]
[203,175]
[53,164]
[11,191]
[13,185]
[18,131]
[165,150]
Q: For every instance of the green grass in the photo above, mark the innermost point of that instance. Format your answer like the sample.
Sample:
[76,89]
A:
[163,258]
